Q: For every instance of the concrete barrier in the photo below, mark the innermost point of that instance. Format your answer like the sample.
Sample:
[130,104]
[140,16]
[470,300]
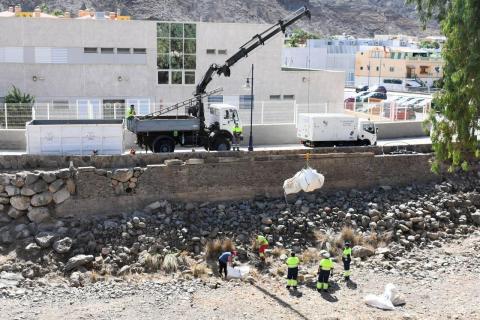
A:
[13,139]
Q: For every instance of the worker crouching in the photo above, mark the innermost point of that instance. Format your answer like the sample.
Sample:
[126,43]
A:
[225,259]
[292,274]
[324,269]
[262,243]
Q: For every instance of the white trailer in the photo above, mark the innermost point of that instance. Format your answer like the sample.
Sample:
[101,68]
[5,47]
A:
[329,129]
[75,137]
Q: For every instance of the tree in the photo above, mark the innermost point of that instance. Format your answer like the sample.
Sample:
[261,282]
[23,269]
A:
[15,96]
[456,116]
[299,37]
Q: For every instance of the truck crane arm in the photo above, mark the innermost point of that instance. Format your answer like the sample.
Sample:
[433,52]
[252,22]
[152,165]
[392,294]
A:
[256,41]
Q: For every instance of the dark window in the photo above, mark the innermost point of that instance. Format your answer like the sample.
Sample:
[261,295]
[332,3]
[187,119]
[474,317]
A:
[176,61]
[123,50]
[210,51]
[215,99]
[163,30]
[288,97]
[190,61]
[163,61]
[163,46]
[60,104]
[90,50]
[222,51]
[162,77]
[176,30]
[189,77]
[106,50]
[361,68]
[275,97]
[377,68]
[190,30]
[176,77]
[190,46]
[176,46]
[245,102]
[140,51]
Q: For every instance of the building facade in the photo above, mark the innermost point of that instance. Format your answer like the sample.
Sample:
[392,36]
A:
[403,66]
[94,68]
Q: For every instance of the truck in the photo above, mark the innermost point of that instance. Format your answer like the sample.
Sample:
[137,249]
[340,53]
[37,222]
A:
[161,132]
[335,129]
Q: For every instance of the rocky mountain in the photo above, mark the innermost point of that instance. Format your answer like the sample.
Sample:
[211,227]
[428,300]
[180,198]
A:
[355,17]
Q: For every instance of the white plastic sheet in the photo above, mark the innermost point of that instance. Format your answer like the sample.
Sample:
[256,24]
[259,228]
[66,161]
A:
[239,272]
[387,301]
[307,180]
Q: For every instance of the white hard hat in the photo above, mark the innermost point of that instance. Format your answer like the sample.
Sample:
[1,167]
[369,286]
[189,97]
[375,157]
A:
[325,254]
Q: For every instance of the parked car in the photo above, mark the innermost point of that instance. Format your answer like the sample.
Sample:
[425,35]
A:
[361,88]
[372,97]
[381,89]
[349,103]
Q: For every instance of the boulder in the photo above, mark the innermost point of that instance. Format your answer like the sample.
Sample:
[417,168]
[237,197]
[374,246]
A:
[12,191]
[27,191]
[41,199]
[78,261]
[56,185]
[20,202]
[63,245]
[38,214]
[122,175]
[476,217]
[64,173]
[40,186]
[61,195]
[362,252]
[31,178]
[49,177]
[44,239]
[14,213]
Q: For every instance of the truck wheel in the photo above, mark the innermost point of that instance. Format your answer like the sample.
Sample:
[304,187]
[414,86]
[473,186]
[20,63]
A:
[163,145]
[221,144]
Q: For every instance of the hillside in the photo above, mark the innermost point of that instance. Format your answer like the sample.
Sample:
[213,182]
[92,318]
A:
[355,17]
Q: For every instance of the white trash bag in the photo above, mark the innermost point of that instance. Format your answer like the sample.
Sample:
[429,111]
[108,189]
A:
[239,272]
[387,301]
[307,180]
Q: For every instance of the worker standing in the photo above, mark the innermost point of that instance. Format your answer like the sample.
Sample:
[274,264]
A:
[292,275]
[262,243]
[225,259]
[324,269]
[131,114]
[237,134]
[347,258]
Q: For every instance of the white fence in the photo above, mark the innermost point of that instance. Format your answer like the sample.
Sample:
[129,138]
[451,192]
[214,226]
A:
[389,110]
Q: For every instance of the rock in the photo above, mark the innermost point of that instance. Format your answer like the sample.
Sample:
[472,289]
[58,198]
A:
[61,195]
[44,239]
[71,186]
[31,178]
[63,245]
[122,175]
[38,214]
[41,199]
[77,261]
[476,217]
[14,213]
[26,191]
[39,186]
[123,270]
[48,177]
[20,202]
[173,162]
[56,185]
[32,247]
[267,221]
[77,279]
[12,191]
[10,279]
[64,173]
[362,252]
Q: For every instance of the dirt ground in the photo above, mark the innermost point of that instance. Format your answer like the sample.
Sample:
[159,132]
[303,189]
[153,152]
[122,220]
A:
[447,294]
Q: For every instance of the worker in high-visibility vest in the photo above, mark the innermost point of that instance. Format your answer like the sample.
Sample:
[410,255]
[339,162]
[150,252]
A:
[347,258]
[262,243]
[292,274]
[130,115]
[324,269]
[237,136]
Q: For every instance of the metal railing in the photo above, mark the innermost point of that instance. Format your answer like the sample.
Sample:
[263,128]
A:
[15,116]
[389,111]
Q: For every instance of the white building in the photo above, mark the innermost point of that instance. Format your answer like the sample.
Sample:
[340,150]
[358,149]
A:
[94,68]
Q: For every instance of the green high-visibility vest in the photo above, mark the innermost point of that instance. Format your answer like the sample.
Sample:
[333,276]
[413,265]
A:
[292,262]
[326,264]
[347,252]
[262,240]
[237,129]
[131,113]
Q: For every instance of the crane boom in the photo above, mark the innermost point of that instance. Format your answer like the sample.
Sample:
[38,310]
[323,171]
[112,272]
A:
[256,41]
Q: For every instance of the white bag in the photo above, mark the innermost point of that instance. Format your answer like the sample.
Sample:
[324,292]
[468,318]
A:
[391,293]
[314,179]
[307,180]
[239,272]
[388,300]
[291,186]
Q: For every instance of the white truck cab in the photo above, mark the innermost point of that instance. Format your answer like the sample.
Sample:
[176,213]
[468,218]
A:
[367,131]
[225,115]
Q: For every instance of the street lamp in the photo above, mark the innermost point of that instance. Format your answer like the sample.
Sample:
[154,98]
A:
[249,84]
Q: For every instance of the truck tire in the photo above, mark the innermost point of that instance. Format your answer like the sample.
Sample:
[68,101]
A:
[161,145]
[221,144]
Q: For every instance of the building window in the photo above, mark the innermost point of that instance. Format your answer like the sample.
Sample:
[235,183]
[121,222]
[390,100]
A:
[106,50]
[210,51]
[215,99]
[176,52]
[423,69]
[275,97]
[163,77]
[90,50]
[139,51]
[51,55]
[392,69]
[123,50]
[288,97]
[361,68]
[224,52]
[377,68]
[60,104]
[245,102]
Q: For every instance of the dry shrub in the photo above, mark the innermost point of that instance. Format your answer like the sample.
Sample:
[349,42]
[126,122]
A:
[277,252]
[320,236]
[348,234]
[228,245]
[199,270]
[170,263]
[213,249]
[376,240]
[309,256]
[153,262]
[184,260]
[94,276]
[281,271]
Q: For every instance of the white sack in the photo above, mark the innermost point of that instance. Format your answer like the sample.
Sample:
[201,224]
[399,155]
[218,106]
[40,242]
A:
[239,272]
[307,180]
[291,186]
[388,300]
[391,293]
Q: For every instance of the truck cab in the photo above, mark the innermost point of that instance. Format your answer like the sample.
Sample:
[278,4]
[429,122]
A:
[367,131]
[225,115]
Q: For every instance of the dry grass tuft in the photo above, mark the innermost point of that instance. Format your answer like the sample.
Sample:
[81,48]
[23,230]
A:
[153,262]
[199,270]
[228,245]
[310,256]
[170,263]
[376,240]
[214,248]
[94,276]
[281,271]
[277,252]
